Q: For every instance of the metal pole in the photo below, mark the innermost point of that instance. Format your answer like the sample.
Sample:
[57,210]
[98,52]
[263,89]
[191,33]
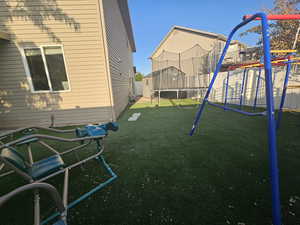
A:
[179,61]
[218,68]
[2,166]
[49,188]
[257,89]
[158,97]
[242,88]
[276,206]
[65,194]
[100,186]
[30,154]
[237,110]
[101,160]
[160,76]
[167,75]
[226,89]
[49,147]
[179,56]
[37,217]
[285,85]
[277,17]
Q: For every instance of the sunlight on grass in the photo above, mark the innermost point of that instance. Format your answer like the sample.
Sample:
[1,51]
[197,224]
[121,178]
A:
[165,103]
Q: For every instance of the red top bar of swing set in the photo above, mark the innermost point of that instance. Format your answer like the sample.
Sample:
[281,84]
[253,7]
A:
[277,17]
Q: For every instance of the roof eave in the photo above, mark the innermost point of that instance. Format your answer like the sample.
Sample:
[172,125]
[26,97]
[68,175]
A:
[162,41]
[218,36]
[123,5]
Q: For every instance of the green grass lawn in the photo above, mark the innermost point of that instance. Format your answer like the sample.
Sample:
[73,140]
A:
[218,176]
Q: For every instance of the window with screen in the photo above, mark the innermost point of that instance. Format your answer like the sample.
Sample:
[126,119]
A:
[47,68]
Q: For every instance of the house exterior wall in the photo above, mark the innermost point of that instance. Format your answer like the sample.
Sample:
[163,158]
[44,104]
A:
[120,55]
[138,88]
[233,54]
[147,87]
[191,52]
[179,41]
[76,26]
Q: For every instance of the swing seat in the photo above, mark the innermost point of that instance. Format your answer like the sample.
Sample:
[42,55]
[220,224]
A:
[46,167]
[39,169]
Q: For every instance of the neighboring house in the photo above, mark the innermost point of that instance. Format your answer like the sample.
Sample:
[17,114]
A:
[235,53]
[180,39]
[67,62]
[183,42]
[194,53]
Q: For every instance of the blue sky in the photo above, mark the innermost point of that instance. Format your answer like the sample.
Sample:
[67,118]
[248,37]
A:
[152,19]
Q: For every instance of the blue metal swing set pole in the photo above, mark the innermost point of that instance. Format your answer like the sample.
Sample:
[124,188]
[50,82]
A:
[276,209]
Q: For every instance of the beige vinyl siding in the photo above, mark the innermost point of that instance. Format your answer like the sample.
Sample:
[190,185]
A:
[147,87]
[179,41]
[76,26]
[120,55]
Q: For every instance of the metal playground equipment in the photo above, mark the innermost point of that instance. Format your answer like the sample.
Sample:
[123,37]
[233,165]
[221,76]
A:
[52,191]
[286,61]
[186,72]
[36,173]
[270,113]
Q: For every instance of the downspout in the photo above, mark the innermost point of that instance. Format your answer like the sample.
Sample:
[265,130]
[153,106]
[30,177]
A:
[102,28]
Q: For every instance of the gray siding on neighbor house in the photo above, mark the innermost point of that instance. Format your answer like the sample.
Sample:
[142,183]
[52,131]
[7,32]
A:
[120,55]
[77,26]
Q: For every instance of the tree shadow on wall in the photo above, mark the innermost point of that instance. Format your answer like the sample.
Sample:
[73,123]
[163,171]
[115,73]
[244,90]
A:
[39,12]
[17,100]
[15,93]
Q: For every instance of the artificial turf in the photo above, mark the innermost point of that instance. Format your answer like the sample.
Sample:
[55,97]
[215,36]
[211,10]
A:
[218,176]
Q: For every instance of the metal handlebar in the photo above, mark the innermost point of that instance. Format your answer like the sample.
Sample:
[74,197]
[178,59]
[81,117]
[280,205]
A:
[47,187]
[48,137]
[36,127]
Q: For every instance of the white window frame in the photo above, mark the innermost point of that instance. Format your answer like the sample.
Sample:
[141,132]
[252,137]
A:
[28,74]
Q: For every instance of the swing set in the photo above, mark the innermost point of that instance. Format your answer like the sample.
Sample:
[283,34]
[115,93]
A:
[273,124]
[286,61]
[37,172]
